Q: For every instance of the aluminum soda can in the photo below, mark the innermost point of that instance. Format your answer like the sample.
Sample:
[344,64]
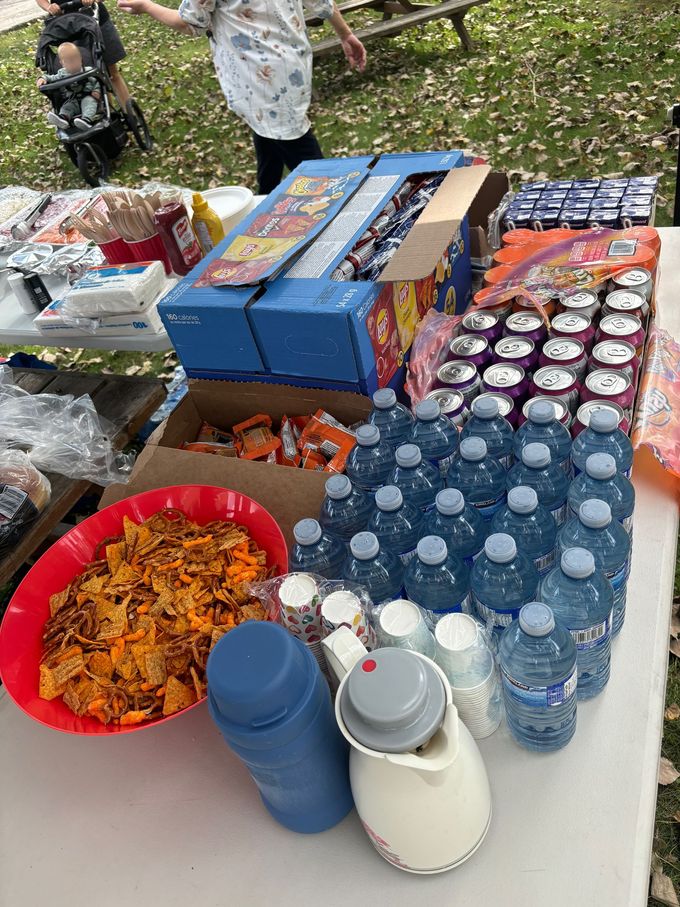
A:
[615,354]
[638,279]
[486,324]
[628,302]
[556,381]
[610,384]
[502,310]
[526,324]
[518,350]
[473,348]
[622,327]
[562,413]
[452,404]
[506,378]
[506,407]
[586,410]
[585,302]
[565,351]
[549,303]
[575,326]
[462,376]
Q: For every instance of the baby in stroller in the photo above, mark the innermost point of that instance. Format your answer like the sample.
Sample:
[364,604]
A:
[81,104]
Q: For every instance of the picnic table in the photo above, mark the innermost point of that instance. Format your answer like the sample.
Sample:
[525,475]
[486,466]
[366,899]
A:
[127,402]
[398,15]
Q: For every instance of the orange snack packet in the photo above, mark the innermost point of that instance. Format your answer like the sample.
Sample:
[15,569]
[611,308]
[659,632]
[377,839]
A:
[212,435]
[254,438]
[312,460]
[329,437]
[208,447]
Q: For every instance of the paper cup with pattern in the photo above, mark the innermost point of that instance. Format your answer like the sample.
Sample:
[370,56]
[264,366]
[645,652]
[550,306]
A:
[301,607]
[344,609]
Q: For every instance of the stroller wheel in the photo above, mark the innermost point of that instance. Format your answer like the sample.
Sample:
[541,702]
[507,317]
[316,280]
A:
[138,125]
[93,164]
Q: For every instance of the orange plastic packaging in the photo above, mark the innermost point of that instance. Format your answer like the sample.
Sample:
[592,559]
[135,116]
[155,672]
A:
[657,416]
[254,438]
[325,435]
[220,450]
[211,435]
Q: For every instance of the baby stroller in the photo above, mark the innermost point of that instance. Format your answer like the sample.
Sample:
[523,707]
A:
[93,149]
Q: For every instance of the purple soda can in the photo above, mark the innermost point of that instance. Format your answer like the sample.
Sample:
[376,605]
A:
[562,413]
[585,302]
[615,354]
[638,279]
[565,351]
[586,410]
[556,381]
[629,302]
[486,324]
[462,376]
[506,407]
[506,378]
[473,348]
[452,404]
[526,324]
[612,385]
[517,350]
[575,326]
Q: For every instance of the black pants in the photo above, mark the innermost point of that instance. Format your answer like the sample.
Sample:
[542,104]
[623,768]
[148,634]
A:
[275,154]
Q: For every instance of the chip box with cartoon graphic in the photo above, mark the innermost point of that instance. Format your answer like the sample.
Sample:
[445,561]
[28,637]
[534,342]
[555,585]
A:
[294,323]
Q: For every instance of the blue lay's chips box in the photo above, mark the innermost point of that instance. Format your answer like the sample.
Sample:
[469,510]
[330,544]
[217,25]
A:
[324,283]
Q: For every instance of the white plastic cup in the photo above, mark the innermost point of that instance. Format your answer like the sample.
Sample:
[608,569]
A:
[344,609]
[402,627]
[461,651]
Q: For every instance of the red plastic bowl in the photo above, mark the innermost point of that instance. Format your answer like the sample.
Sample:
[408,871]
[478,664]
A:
[21,630]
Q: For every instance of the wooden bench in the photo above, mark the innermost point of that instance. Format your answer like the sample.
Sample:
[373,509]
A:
[399,15]
[126,402]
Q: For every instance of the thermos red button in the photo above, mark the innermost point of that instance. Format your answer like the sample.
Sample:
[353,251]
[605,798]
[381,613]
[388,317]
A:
[369,665]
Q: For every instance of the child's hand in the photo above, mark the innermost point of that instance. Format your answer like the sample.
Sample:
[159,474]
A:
[54,9]
[40,81]
[136,7]
[96,95]
[355,52]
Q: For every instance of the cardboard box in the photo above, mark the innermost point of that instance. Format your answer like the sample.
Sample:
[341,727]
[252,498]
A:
[289,494]
[297,325]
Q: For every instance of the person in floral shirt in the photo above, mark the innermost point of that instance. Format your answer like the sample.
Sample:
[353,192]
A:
[263,61]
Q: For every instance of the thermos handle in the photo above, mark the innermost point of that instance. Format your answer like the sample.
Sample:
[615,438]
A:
[342,650]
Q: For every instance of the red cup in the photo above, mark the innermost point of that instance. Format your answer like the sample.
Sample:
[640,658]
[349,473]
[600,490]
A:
[117,252]
[151,249]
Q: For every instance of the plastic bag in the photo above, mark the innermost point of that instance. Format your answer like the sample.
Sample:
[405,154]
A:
[657,417]
[430,350]
[24,494]
[61,434]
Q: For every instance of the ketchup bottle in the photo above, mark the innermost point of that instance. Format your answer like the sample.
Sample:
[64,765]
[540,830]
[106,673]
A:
[178,237]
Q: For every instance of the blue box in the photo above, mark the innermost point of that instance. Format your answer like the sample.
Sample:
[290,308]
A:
[294,323]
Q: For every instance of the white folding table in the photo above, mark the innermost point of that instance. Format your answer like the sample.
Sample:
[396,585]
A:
[167,816]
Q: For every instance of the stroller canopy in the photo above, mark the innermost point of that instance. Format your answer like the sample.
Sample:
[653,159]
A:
[81,30]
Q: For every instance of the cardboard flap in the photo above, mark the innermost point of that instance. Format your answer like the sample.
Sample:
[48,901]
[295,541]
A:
[418,255]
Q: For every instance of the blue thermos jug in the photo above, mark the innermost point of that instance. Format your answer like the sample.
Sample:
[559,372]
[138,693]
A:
[272,705]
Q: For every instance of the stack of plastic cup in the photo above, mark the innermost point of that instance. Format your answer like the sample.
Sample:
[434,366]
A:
[463,654]
[300,612]
[402,626]
[344,609]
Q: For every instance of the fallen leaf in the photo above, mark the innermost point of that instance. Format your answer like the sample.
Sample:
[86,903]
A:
[668,773]
[133,369]
[674,647]
[672,713]
[663,890]
[676,816]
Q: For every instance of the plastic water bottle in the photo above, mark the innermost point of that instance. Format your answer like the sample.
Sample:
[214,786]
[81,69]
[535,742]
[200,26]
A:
[538,670]
[316,551]
[392,418]
[273,707]
[603,435]
[601,480]
[376,568]
[435,435]
[531,525]
[479,478]
[459,524]
[582,597]
[608,542]
[346,510]
[487,423]
[418,480]
[548,480]
[370,460]
[437,580]
[503,580]
[542,427]
[396,523]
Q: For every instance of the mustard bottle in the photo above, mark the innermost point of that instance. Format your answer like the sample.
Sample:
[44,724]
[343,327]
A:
[207,225]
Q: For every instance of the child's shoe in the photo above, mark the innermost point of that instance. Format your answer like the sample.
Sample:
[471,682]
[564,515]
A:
[55,120]
[82,123]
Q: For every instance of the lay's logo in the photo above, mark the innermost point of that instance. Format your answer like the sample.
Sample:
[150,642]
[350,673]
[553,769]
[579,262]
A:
[403,295]
[382,326]
[248,250]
